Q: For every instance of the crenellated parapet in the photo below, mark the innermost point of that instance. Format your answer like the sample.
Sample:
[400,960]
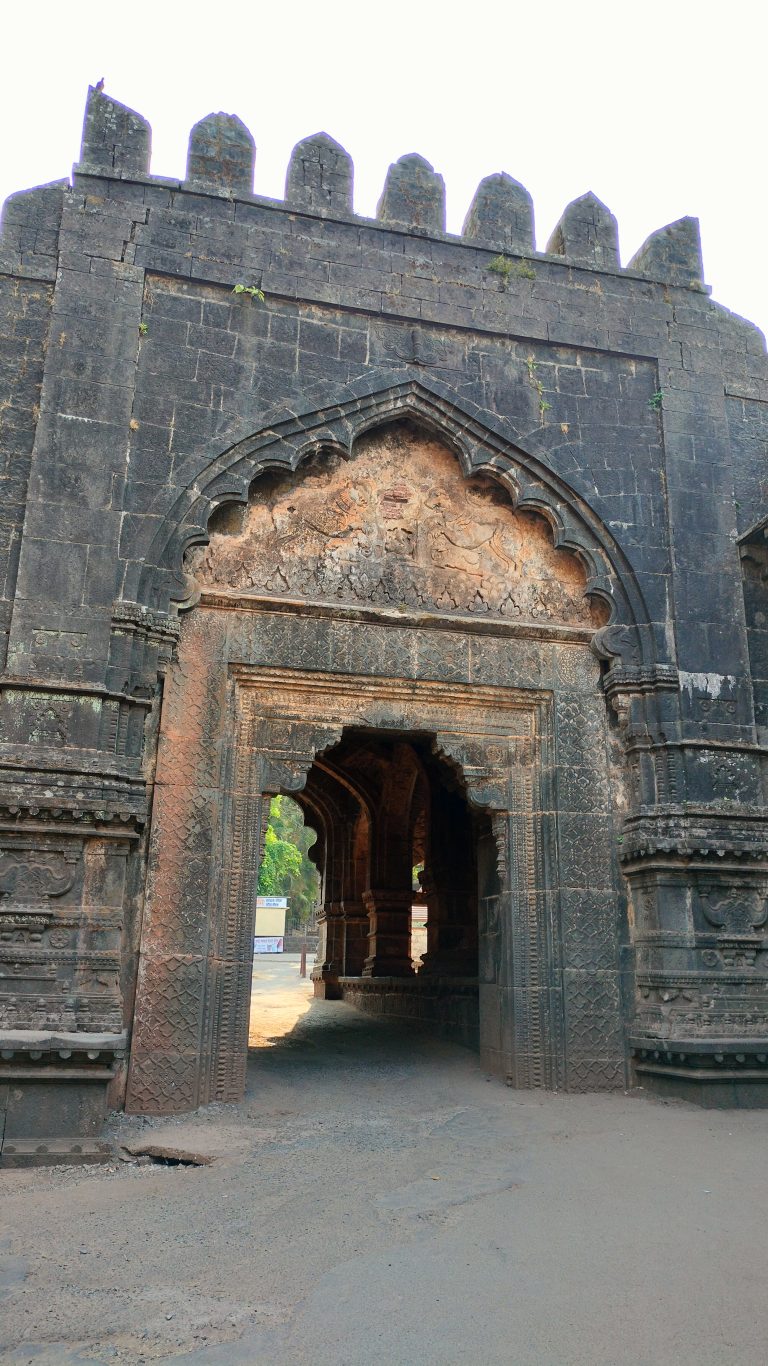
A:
[414,195]
[501,214]
[673,253]
[319,180]
[587,234]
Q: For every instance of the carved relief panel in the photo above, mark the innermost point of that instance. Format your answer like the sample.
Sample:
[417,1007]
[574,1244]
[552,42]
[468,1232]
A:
[60,930]
[396,525]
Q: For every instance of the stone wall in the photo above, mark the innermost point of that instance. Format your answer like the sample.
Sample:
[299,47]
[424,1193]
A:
[165,342]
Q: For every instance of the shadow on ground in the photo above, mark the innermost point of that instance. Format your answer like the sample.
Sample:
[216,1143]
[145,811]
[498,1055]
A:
[375,1199]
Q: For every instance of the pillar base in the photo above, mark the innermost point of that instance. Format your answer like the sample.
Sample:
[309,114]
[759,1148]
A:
[327,988]
[53,1095]
[717,1074]
[449,963]
[388,967]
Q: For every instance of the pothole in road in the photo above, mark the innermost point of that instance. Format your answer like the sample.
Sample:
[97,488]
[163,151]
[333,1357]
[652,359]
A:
[146,1154]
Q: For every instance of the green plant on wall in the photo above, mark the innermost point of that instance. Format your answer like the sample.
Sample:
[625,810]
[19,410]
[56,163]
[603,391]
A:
[507,269]
[656,400]
[251,290]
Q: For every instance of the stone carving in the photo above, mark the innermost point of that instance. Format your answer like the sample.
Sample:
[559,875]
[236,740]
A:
[22,929]
[740,952]
[397,525]
[737,910]
[283,718]
[35,875]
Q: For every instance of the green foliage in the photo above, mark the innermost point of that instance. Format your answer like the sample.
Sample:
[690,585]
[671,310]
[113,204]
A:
[251,291]
[143,329]
[656,400]
[286,869]
[506,269]
[280,865]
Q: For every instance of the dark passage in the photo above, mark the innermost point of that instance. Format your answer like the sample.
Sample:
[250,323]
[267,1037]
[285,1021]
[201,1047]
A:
[396,836]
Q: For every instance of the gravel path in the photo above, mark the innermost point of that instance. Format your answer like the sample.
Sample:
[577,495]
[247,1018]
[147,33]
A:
[376,1200]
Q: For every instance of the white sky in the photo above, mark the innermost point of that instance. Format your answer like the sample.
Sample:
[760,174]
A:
[658,107]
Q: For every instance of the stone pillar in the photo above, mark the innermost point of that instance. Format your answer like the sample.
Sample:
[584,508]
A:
[356,936]
[450,883]
[452,944]
[389,941]
[329,963]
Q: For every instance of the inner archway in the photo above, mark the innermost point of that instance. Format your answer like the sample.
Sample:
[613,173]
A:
[383,802]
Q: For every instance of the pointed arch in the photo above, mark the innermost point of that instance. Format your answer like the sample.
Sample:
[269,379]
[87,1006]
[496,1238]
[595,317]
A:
[286,441]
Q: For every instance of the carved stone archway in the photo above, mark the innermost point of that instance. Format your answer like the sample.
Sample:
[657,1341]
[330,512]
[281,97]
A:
[410,602]
[498,738]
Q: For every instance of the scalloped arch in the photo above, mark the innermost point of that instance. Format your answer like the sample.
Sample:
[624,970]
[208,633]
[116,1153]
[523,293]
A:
[288,440]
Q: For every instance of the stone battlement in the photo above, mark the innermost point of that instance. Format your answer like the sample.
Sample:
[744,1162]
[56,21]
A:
[319,181]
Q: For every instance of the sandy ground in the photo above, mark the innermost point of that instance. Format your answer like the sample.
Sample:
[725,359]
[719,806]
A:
[279,997]
[375,1199]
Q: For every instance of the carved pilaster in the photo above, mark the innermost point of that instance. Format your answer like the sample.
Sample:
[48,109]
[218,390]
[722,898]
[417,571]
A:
[329,962]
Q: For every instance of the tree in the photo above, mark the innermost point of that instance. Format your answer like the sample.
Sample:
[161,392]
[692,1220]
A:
[285,869]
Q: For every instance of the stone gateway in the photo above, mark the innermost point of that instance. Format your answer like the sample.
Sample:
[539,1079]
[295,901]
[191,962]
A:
[461,544]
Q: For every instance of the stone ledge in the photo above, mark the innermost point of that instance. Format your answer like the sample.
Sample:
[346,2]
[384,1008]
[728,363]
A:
[50,1041]
[31,1152]
[712,1073]
[702,1059]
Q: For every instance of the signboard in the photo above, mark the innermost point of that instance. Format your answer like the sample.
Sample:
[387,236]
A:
[267,943]
[270,918]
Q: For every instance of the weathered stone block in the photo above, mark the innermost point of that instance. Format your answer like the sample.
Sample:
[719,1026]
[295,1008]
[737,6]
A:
[320,176]
[413,196]
[587,234]
[501,214]
[222,152]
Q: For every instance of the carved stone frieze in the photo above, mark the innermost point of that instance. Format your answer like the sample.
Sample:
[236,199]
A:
[673,830]
[61,922]
[396,525]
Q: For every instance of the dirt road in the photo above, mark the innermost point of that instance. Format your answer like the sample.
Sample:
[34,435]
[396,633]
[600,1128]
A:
[376,1200]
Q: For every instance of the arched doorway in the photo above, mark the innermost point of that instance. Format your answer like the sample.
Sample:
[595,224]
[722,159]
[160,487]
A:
[385,802]
[386,596]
